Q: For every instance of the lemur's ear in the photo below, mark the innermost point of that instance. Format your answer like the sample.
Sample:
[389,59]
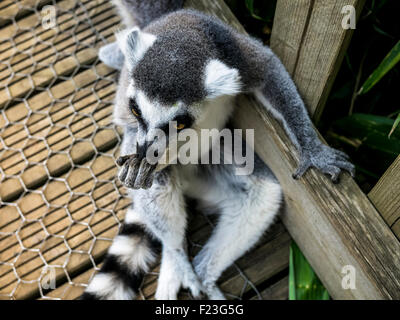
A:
[221,80]
[112,56]
[134,43]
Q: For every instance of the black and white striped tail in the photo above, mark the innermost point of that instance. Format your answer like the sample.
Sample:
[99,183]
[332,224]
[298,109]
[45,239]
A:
[130,256]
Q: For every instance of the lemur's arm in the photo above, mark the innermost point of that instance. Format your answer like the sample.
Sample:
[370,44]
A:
[279,94]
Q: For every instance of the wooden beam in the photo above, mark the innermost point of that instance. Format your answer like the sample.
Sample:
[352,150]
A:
[334,225]
[386,196]
[308,37]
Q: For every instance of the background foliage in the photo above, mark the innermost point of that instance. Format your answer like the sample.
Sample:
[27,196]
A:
[363,106]
[362,114]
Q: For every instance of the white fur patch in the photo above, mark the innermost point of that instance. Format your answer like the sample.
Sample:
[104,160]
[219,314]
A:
[108,286]
[132,216]
[170,279]
[153,111]
[134,43]
[221,80]
[133,252]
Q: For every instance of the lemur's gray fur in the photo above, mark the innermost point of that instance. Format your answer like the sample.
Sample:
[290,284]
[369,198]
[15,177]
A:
[187,66]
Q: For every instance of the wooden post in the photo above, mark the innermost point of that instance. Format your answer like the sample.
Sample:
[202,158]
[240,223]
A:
[386,196]
[334,225]
[309,38]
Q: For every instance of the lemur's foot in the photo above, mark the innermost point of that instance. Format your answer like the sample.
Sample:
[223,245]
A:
[168,286]
[200,263]
[213,292]
[136,173]
[192,282]
[328,160]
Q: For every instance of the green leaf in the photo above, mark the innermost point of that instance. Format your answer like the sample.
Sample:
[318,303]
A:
[371,131]
[250,7]
[395,124]
[303,282]
[386,65]
[292,285]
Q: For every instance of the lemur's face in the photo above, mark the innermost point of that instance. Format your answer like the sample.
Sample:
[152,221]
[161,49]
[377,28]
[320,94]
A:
[171,87]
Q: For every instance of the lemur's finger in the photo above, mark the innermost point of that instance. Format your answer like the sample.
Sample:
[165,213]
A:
[303,166]
[346,166]
[133,166]
[341,154]
[123,173]
[149,180]
[333,171]
[121,160]
[145,170]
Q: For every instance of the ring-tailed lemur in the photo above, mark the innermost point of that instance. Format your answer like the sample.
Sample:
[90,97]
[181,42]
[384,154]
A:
[186,66]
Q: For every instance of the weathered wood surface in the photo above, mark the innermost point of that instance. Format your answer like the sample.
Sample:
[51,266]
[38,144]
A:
[308,37]
[334,225]
[274,248]
[60,206]
[386,196]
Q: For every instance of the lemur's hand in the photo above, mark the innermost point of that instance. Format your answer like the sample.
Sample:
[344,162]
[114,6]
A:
[328,160]
[136,173]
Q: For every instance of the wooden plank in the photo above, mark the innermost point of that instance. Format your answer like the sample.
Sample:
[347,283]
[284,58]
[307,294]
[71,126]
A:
[60,113]
[103,18]
[72,290]
[270,257]
[308,37]
[78,236]
[24,39]
[81,208]
[277,291]
[37,150]
[57,139]
[386,196]
[11,10]
[44,54]
[334,225]
[350,230]
[43,77]
[91,92]
[273,251]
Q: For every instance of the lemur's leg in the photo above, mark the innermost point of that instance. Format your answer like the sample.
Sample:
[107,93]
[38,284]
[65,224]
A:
[262,72]
[163,209]
[170,280]
[130,256]
[245,215]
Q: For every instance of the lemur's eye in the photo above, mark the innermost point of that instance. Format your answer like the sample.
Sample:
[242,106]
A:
[134,112]
[134,108]
[183,121]
[179,126]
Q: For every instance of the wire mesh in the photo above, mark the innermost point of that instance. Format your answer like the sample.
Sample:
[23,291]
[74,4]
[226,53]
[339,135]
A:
[61,205]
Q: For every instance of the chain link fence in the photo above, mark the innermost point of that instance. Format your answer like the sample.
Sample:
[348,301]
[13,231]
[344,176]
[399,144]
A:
[60,205]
